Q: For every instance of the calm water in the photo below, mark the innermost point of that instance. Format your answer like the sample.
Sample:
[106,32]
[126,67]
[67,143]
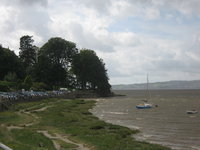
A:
[168,124]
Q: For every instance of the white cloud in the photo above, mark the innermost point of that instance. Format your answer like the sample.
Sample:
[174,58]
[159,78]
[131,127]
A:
[161,38]
[152,13]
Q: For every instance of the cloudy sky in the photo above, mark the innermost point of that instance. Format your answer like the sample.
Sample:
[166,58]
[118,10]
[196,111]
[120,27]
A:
[133,37]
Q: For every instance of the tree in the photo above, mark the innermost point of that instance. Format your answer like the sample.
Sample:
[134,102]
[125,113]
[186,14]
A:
[91,72]
[47,72]
[59,51]
[27,52]
[10,77]
[9,62]
[27,82]
[54,62]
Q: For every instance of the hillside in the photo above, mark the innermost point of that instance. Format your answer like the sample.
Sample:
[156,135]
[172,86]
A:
[195,84]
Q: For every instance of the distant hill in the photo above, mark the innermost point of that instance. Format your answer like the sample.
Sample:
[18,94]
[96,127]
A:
[195,84]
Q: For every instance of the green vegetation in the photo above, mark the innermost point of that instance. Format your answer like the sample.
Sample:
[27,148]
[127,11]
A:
[58,63]
[69,119]
[91,72]
[27,53]
[9,63]
[27,139]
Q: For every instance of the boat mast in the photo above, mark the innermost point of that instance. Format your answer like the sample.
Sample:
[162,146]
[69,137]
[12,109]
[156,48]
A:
[147,83]
[148,92]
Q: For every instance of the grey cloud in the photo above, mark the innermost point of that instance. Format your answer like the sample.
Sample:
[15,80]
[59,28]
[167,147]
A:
[171,64]
[185,7]
[168,64]
[101,6]
[88,39]
[195,45]
[24,2]
[114,72]
[26,16]
[33,2]
[35,20]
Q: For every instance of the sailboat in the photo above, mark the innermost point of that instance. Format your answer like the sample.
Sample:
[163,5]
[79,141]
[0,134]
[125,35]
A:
[145,104]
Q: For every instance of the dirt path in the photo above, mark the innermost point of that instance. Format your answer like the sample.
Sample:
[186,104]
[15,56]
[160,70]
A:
[57,136]
[64,139]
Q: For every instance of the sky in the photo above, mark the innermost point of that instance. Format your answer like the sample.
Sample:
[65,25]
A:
[134,38]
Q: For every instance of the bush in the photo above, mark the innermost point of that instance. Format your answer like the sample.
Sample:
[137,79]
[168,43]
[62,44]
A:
[27,83]
[4,86]
[98,126]
[40,86]
[10,77]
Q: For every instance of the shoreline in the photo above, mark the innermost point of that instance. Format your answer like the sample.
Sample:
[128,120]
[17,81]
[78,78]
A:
[76,121]
[137,128]
[155,123]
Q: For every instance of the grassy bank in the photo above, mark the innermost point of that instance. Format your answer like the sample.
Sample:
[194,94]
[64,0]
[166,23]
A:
[68,123]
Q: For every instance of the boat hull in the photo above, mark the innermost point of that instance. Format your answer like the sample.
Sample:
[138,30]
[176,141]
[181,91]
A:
[143,107]
[191,112]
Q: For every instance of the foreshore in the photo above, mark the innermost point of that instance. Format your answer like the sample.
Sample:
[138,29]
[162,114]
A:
[66,117]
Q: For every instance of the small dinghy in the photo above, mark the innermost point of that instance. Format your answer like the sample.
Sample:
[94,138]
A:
[191,111]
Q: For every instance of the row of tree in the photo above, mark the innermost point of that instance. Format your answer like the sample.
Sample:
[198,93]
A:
[58,63]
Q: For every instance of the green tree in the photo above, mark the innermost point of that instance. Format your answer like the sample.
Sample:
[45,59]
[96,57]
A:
[10,77]
[9,62]
[27,52]
[49,73]
[27,82]
[90,72]
[54,62]
[59,51]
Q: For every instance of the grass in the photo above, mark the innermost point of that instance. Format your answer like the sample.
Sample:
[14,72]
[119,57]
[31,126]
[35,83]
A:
[14,118]
[67,117]
[29,139]
[64,145]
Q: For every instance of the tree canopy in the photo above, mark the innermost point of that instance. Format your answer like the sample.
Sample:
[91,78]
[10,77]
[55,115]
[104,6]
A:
[59,51]
[54,60]
[27,52]
[58,63]
[9,63]
[91,72]
[47,72]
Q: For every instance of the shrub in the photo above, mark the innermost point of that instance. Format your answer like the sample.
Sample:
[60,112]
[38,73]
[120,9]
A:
[27,82]
[10,77]
[4,86]
[40,86]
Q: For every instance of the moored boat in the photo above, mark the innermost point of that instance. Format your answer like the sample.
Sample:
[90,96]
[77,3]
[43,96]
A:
[191,111]
[144,105]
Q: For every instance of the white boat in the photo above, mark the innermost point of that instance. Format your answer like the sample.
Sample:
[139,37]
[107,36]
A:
[145,104]
[191,111]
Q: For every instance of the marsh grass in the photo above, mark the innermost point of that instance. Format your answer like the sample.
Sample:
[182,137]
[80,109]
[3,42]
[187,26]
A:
[14,118]
[64,145]
[72,118]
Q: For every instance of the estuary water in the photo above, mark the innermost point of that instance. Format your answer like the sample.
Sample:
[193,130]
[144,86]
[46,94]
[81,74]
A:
[168,124]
